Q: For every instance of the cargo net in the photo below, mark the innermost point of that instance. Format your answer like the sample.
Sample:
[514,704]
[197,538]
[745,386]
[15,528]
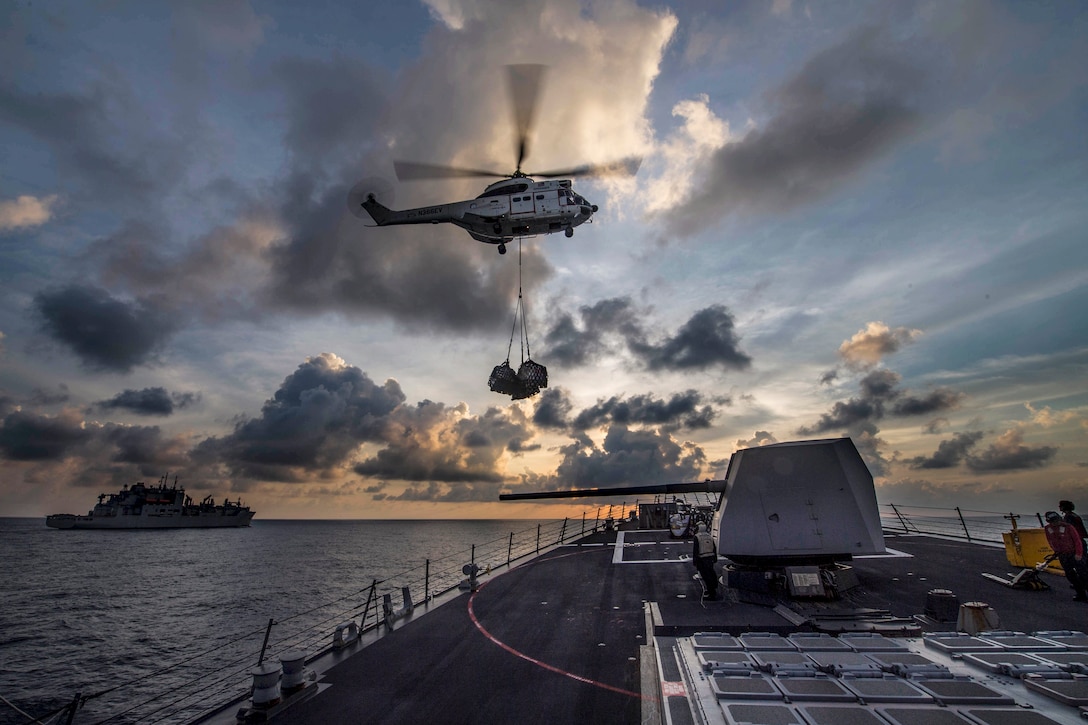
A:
[531,376]
[525,383]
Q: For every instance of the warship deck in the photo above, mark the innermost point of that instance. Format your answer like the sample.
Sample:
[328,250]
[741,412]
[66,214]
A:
[602,631]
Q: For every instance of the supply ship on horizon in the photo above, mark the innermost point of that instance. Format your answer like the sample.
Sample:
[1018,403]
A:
[155,507]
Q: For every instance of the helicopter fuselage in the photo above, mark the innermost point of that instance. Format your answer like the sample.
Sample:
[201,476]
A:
[515,207]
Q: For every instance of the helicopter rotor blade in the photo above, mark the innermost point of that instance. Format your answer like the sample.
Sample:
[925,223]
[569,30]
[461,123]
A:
[525,82]
[410,170]
[624,167]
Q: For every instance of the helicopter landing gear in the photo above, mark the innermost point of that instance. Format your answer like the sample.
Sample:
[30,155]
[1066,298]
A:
[569,232]
[502,249]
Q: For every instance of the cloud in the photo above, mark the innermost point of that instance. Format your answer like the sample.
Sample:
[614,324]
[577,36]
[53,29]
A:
[149,401]
[707,339]
[870,345]
[681,410]
[628,457]
[571,345]
[221,274]
[949,453]
[113,450]
[105,332]
[846,108]
[101,139]
[879,395]
[553,409]
[26,436]
[435,443]
[932,402]
[1009,453]
[1047,418]
[26,211]
[316,420]
[761,438]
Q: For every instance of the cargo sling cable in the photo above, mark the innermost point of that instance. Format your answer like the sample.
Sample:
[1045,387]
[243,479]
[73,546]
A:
[531,376]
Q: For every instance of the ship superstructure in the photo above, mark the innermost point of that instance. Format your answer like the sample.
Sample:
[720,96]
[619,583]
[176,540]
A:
[161,506]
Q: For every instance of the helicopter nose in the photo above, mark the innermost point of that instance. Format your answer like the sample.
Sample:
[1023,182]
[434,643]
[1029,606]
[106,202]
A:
[587,210]
[594,207]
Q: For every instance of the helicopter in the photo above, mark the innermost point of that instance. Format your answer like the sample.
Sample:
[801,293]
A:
[518,205]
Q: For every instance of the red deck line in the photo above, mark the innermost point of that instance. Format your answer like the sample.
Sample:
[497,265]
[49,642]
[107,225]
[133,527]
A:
[539,663]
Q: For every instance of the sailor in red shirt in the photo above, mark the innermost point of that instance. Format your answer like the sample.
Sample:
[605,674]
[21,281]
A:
[1065,540]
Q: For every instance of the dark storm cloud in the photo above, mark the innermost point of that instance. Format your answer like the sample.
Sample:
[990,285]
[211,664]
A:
[707,339]
[100,137]
[932,402]
[103,331]
[847,106]
[321,413]
[553,409]
[39,397]
[572,345]
[881,396]
[435,443]
[628,457]
[1009,453]
[681,410]
[27,436]
[949,453]
[332,105]
[149,401]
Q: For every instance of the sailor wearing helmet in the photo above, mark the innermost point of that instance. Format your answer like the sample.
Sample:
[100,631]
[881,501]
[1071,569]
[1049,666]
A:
[1065,540]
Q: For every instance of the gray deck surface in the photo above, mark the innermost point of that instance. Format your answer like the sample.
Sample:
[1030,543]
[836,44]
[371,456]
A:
[556,640]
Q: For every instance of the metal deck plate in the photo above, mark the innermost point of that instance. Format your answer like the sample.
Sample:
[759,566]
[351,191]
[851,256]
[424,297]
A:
[766,641]
[829,715]
[891,689]
[1010,717]
[1069,692]
[952,642]
[817,642]
[819,688]
[745,714]
[923,716]
[712,640]
[963,692]
[756,687]
[1066,638]
[866,642]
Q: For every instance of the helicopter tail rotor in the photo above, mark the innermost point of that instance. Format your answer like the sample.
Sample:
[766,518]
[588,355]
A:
[368,190]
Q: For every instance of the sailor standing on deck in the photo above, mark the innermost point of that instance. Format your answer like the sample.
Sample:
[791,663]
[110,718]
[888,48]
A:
[704,553]
[1065,540]
[1072,518]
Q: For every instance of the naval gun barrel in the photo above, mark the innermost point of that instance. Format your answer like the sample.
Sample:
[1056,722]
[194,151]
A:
[707,486]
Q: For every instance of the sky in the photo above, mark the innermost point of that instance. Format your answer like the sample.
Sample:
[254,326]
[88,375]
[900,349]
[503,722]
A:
[860,219]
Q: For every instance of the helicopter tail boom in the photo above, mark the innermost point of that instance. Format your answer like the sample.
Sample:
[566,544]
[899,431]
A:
[383,215]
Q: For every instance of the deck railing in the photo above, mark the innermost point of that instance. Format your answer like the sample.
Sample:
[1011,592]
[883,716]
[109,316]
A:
[222,674]
[955,523]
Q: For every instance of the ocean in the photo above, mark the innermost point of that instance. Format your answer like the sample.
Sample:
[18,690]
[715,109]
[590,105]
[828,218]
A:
[160,626]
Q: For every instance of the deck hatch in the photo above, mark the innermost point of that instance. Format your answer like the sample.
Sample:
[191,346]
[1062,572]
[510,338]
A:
[963,692]
[890,689]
